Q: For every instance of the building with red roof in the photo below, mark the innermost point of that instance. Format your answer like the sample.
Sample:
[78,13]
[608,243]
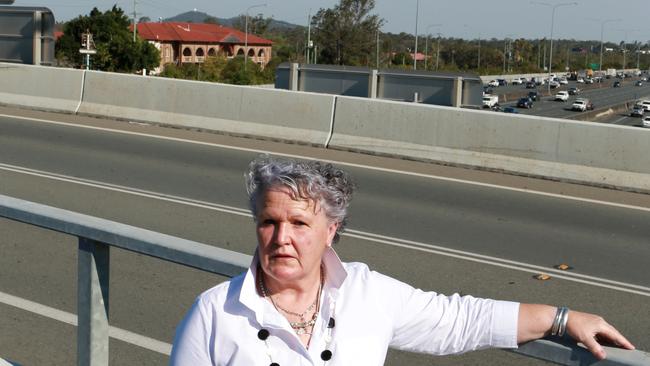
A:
[181,43]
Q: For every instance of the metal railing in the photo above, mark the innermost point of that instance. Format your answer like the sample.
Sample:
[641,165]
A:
[97,236]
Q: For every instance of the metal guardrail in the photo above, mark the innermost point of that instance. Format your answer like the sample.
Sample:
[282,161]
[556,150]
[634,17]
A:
[96,236]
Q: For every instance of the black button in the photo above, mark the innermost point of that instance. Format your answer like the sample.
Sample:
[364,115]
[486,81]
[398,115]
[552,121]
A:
[263,334]
[326,355]
[274,364]
[331,323]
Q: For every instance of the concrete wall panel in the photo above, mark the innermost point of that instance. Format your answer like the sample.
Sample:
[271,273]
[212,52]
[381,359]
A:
[537,146]
[280,114]
[40,87]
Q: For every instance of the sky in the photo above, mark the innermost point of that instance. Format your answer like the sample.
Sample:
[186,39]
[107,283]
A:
[469,19]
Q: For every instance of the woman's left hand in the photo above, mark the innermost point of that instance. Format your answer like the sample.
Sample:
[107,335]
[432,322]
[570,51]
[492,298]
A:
[590,330]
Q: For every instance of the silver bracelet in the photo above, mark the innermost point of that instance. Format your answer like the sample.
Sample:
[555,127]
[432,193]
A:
[559,323]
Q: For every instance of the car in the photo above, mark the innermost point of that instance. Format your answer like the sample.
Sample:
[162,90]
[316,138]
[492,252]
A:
[638,83]
[502,82]
[617,84]
[573,91]
[493,83]
[525,102]
[510,110]
[533,95]
[562,95]
[582,105]
[637,111]
[646,122]
[553,84]
[563,81]
[516,81]
[531,85]
[487,90]
[580,80]
[589,81]
[645,104]
[490,101]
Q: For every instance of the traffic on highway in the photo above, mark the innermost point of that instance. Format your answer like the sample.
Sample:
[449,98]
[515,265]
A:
[616,100]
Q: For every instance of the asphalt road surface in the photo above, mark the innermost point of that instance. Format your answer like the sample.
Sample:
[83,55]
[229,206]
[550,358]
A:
[438,228]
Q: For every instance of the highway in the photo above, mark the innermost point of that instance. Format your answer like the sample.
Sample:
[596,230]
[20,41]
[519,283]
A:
[603,95]
[438,228]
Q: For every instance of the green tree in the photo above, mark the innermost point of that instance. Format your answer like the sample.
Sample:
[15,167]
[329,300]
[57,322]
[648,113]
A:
[116,50]
[346,34]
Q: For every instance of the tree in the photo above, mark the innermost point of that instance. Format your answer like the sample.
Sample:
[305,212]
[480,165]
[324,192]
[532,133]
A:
[144,20]
[211,20]
[257,25]
[116,50]
[346,34]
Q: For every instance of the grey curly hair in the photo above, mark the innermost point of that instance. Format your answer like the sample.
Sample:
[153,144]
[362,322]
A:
[319,182]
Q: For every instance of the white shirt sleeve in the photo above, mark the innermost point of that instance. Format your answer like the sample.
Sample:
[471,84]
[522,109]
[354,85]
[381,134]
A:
[192,340]
[428,322]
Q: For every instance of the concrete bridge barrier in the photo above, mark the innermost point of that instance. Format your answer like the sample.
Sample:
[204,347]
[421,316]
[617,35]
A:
[239,110]
[39,87]
[591,153]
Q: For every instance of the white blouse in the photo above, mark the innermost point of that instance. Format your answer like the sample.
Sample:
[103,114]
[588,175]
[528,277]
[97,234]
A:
[371,312]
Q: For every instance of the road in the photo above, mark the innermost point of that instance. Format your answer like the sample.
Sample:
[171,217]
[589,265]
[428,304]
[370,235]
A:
[442,228]
[602,95]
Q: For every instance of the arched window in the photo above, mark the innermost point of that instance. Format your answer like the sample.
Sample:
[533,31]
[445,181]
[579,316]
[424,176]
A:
[199,52]
[228,51]
[187,52]
[261,53]
[240,52]
[251,53]
[212,52]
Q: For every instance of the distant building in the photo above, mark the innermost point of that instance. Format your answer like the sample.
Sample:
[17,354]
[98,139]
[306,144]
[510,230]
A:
[181,43]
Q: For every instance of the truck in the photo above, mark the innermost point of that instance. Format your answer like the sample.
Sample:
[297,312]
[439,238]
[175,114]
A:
[610,73]
[490,101]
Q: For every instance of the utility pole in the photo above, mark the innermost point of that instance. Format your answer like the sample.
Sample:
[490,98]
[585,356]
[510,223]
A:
[377,64]
[438,52]
[415,54]
[308,48]
[135,23]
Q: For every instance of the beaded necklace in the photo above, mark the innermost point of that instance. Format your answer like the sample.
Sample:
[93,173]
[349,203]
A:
[263,334]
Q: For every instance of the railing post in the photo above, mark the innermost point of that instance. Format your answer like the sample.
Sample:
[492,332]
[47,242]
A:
[457,92]
[372,84]
[293,77]
[92,303]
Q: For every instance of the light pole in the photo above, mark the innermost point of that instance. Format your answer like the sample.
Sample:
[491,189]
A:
[415,54]
[505,46]
[438,51]
[602,31]
[478,62]
[550,55]
[246,33]
[426,44]
[626,31]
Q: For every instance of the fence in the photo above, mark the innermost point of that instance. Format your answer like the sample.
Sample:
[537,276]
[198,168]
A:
[97,236]
[26,35]
[439,88]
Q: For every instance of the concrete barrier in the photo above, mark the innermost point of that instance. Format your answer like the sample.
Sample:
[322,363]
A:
[39,87]
[239,110]
[603,155]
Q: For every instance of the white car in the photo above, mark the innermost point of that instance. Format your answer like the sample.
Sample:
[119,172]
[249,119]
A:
[646,122]
[493,83]
[517,81]
[562,95]
[580,80]
[564,81]
[645,104]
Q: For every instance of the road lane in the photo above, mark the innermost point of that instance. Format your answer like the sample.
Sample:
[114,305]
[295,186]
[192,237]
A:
[440,212]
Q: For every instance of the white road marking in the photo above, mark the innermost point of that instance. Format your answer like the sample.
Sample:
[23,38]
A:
[342,163]
[619,120]
[69,318]
[381,239]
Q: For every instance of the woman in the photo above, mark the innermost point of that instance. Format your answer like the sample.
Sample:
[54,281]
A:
[299,304]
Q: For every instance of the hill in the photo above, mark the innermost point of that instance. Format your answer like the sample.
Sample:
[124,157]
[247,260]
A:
[200,17]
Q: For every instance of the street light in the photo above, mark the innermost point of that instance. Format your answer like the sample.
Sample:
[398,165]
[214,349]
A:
[478,62]
[505,45]
[246,31]
[602,29]
[438,51]
[426,46]
[550,55]
[626,31]
[415,55]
